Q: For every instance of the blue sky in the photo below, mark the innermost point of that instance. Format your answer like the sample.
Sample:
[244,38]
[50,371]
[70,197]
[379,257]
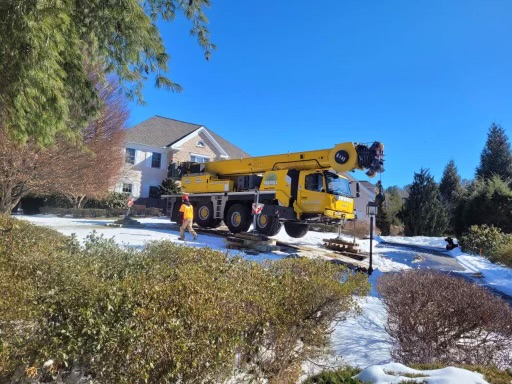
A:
[427,78]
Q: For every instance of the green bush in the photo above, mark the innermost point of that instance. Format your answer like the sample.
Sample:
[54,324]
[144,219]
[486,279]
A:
[110,201]
[75,212]
[485,202]
[141,211]
[340,376]
[97,212]
[483,240]
[503,255]
[162,315]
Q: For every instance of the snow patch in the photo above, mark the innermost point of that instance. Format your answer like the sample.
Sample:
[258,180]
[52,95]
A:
[395,373]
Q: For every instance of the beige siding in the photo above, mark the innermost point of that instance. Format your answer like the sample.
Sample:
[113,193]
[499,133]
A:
[190,148]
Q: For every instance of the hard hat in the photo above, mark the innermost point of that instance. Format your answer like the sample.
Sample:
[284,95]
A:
[185,198]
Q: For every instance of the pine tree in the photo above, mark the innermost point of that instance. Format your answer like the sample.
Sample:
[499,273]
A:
[450,186]
[169,187]
[394,203]
[450,189]
[496,158]
[423,213]
[382,220]
[45,47]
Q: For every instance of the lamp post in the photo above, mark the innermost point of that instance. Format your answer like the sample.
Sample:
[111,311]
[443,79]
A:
[371,210]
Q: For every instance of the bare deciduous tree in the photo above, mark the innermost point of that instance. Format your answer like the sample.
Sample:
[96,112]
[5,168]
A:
[23,170]
[77,171]
[94,169]
[437,318]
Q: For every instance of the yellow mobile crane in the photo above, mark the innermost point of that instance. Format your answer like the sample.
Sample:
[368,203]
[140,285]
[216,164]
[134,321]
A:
[293,189]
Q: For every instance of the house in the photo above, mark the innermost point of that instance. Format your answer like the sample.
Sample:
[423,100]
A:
[367,193]
[155,146]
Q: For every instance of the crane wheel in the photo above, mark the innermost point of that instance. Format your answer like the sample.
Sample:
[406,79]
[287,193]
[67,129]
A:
[238,218]
[268,225]
[296,230]
[204,214]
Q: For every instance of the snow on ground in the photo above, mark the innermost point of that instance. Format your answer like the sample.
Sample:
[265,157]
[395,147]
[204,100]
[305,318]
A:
[396,373]
[496,276]
[424,241]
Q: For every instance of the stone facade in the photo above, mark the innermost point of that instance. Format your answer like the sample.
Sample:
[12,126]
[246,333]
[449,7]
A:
[191,148]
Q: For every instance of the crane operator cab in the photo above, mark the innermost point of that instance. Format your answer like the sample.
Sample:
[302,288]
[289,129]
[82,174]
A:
[327,192]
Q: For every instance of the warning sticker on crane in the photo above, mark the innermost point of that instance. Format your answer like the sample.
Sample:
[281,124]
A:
[256,208]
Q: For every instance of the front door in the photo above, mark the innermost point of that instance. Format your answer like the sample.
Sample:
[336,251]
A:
[312,194]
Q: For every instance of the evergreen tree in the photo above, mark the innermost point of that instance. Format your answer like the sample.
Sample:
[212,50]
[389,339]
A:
[450,189]
[45,47]
[450,186]
[496,158]
[394,203]
[423,213]
[382,220]
[485,202]
[169,187]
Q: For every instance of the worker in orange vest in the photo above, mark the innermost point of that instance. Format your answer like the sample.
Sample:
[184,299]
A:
[186,213]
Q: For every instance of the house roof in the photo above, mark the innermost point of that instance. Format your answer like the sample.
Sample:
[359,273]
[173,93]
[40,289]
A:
[159,131]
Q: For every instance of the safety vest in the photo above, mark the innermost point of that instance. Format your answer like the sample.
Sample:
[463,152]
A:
[188,211]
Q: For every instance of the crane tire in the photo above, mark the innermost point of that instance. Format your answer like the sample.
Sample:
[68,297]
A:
[238,218]
[204,214]
[296,230]
[268,225]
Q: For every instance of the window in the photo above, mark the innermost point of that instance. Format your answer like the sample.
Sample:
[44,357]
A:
[315,182]
[156,159]
[154,192]
[200,143]
[130,156]
[127,188]
[337,185]
[199,159]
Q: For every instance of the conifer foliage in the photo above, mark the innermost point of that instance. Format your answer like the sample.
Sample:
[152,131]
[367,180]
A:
[450,186]
[496,158]
[423,213]
[450,189]
[45,44]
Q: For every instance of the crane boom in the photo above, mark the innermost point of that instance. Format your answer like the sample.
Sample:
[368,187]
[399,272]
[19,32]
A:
[342,158]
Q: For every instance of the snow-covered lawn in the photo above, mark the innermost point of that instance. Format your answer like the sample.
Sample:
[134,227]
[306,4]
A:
[359,341]
[496,276]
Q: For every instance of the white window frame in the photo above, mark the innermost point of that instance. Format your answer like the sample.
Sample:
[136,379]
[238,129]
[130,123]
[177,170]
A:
[160,163]
[200,144]
[130,185]
[134,156]
[203,157]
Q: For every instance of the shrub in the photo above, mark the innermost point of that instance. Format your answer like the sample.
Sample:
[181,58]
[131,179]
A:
[486,202]
[359,228]
[339,376]
[437,318]
[503,255]
[75,212]
[396,230]
[141,210]
[110,201]
[482,239]
[162,315]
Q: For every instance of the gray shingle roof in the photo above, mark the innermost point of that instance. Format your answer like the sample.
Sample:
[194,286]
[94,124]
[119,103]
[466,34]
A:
[159,131]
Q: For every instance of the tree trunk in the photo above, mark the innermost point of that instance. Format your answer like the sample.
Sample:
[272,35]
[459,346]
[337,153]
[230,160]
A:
[81,201]
[7,205]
